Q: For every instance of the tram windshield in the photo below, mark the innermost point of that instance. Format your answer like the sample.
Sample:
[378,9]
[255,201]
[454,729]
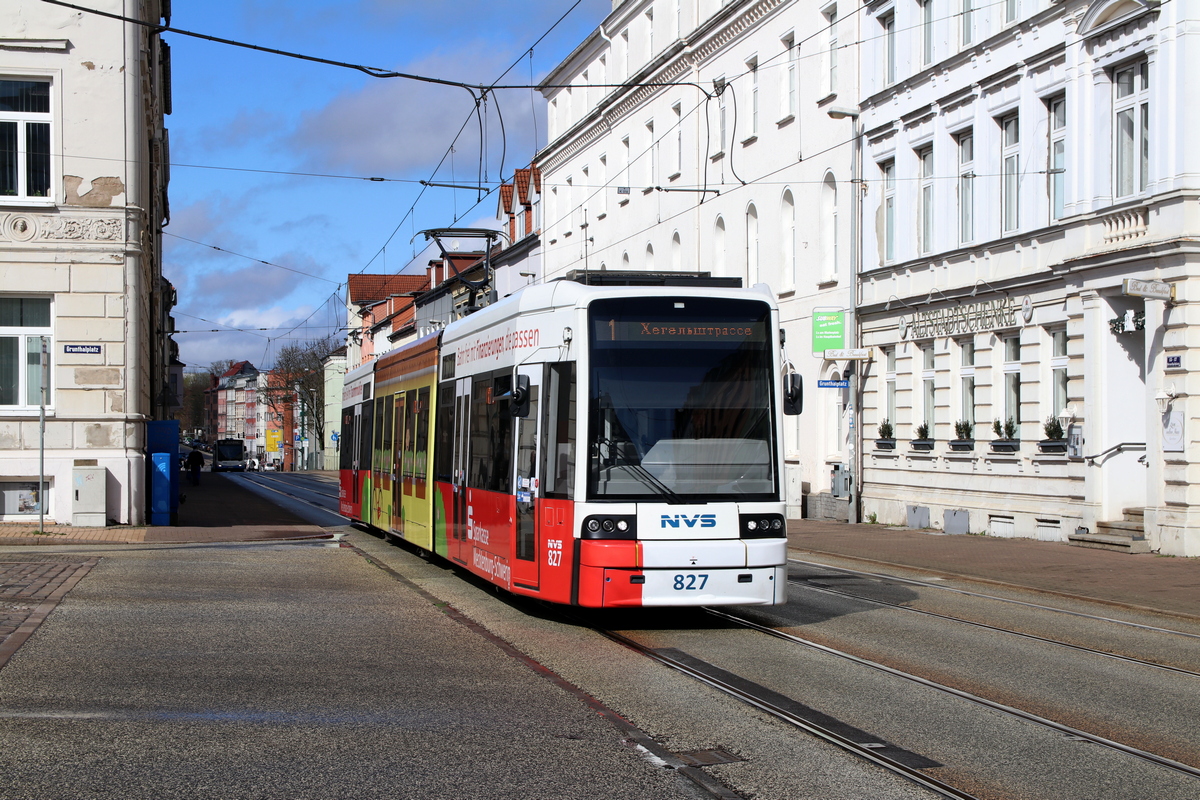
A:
[680,400]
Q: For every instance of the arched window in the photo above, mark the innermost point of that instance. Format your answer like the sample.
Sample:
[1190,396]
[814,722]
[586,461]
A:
[649,258]
[625,260]
[718,253]
[787,232]
[676,253]
[829,229]
[752,276]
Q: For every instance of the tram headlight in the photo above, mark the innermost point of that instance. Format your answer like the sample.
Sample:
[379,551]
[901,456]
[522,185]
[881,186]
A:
[761,526]
[610,526]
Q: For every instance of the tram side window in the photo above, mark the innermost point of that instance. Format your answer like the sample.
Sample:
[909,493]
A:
[491,433]
[558,423]
[387,414]
[366,434]
[346,440]
[443,453]
[377,457]
[421,465]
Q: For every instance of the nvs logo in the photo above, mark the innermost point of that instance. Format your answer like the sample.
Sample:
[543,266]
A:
[703,520]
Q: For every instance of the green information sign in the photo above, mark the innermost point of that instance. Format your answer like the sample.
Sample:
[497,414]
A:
[829,331]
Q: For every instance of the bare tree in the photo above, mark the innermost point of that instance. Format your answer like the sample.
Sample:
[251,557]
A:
[220,367]
[299,378]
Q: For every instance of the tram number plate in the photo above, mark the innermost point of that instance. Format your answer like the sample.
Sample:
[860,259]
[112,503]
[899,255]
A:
[689,582]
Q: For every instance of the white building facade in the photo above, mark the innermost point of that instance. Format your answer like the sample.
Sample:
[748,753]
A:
[694,135]
[82,202]
[1032,207]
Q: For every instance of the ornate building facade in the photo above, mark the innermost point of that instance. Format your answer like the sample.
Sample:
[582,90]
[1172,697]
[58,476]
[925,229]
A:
[83,197]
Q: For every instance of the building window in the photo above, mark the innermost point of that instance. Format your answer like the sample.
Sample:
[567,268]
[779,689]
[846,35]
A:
[966,188]
[831,17]
[889,209]
[968,22]
[889,48]
[751,245]
[722,139]
[602,177]
[1058,369]
[719,267]
[24,138]
[1056,173]
[927,32]
[625,168]
[677,110]
[1010,10]
[752,68]
[625,53]
[928,382]
[650,32]
[966,379]
[787,220]
[1012,381]
[1010,157]
[889,378]
[829,229]
[788,90]
[21,498]
[651,156]
[23,323]
[1131,129]
[925,158]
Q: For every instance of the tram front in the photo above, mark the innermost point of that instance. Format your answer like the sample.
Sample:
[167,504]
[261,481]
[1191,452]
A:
[683,501]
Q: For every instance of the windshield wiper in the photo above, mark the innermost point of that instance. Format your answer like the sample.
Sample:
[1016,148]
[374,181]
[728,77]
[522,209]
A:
[646,476]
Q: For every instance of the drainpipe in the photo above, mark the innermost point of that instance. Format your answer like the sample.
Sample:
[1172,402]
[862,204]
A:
[135,325]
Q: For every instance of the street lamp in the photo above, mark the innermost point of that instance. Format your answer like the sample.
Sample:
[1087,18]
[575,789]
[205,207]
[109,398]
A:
[852,114]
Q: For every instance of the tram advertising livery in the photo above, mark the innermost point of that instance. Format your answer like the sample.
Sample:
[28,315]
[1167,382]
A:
[602,446]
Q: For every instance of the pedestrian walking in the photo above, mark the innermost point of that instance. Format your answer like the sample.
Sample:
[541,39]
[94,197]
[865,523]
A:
[194,462]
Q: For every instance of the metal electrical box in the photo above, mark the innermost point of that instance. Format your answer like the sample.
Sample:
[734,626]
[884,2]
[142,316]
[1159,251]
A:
[839,481]
[89,497]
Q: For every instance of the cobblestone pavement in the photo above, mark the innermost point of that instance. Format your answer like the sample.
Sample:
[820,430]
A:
[29,591]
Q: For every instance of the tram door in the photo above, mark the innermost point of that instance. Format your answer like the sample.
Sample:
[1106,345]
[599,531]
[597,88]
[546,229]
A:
[527,485]
[456,526]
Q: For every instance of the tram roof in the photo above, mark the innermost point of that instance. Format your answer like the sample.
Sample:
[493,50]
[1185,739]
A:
[578,289]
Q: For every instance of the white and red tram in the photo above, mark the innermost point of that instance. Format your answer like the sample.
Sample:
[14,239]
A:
[602,446]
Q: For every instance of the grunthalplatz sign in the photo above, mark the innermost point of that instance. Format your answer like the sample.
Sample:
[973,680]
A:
[990,315]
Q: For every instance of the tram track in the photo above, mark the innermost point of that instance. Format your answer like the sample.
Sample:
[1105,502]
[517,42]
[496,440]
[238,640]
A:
[1026,604]
[265,482]
[767,702]
[810,585]
[1066,730]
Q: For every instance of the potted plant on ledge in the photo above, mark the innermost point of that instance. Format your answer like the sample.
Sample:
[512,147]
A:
[1006,440]
[1055,441]
[922,442]
[887,439]
[963,436]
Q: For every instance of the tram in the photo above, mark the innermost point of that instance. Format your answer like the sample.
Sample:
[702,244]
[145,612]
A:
[592,445]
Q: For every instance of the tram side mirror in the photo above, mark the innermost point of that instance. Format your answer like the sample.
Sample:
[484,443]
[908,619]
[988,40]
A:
[520,397]
[793,394]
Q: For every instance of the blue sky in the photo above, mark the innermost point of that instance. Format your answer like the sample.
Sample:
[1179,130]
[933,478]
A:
[237,111]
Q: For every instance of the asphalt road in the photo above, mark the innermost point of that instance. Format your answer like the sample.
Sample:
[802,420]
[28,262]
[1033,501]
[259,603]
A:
[304,670]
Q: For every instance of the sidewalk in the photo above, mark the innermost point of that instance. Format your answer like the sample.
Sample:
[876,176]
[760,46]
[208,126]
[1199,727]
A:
[218,510]
[1145,581]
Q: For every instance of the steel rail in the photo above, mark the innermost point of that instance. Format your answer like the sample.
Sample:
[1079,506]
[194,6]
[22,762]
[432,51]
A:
[1034,637]
[1144,755]
[858,749]
[968,593]
[299,498]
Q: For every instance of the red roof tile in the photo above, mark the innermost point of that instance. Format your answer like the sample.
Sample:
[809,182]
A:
[373,288]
